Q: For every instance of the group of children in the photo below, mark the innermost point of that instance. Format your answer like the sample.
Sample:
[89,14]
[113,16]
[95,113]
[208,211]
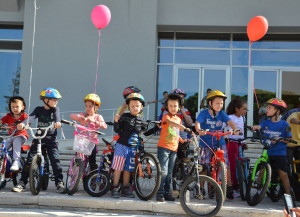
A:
[175,123]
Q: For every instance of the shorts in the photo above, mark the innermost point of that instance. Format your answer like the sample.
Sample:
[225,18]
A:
[124,158]
[278,162]
[207,154]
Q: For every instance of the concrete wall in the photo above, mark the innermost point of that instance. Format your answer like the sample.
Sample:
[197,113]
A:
[12,11]
[65,51]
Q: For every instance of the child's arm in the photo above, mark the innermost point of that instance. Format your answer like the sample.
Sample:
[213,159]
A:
[117,128]
[256,127]
[78,117]
[100,123]
[187,118]
[173,123]
[124,106]
[198,129]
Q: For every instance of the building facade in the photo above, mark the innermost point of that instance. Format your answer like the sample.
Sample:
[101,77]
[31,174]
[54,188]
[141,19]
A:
[156,45]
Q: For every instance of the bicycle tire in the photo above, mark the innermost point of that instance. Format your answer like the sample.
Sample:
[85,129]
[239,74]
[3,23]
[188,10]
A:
[261,189]
[145,191]
[2,175]
[276,189]
[189,193]
[45,177]
[97,188]
[241,179]
[35,175]
[17,175]
[221,176]
[74,177]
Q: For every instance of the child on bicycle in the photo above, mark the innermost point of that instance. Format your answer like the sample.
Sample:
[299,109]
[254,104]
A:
[213,119]
[46,115]
[274,128]
[17,114]
[168,144]
[125,149]
[236,111]
[128,90]
[92,119]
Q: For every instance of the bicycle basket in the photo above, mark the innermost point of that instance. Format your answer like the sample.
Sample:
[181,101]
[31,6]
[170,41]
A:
[83,144]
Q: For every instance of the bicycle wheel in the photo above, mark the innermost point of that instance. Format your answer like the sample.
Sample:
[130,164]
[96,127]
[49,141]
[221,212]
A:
[257,188]
[222,176]
[97,184]
[276,189]
[206,202]
[74,176]
[35,175]
[45,177]
[147,184]
[241,179]
[180,172]
[17,175]
[2,174]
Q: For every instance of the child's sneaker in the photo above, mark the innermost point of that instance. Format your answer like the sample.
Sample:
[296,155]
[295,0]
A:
[61,188]
[168,197]
[160,198]
[115,191]
[15,166]
[236,193]
[229,193]
[20,187]
[126,191]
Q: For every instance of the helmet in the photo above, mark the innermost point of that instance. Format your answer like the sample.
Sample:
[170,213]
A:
[174,96]
[179,91]
[215,94]
[135,96]
[129,90]
[277,103]
[50,93]
[13,98]
[93,98]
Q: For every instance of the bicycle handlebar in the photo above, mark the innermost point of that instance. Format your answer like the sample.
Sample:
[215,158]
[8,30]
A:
[140,123]
[39,129]
[80,127]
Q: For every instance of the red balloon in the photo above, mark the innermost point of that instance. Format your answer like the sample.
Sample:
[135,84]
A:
[257,28]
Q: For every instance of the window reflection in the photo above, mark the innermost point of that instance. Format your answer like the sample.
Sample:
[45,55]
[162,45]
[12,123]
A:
[275,58]
[290,88]
[166,39]
[239,83]
[165,55]
[240,57]
[164,83]
[6,33]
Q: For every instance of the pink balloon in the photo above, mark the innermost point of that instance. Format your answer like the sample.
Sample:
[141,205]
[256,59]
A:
[100,16]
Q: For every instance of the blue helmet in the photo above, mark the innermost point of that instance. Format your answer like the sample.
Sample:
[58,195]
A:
[50,93]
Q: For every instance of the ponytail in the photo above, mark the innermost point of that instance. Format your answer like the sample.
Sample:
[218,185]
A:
[237,102]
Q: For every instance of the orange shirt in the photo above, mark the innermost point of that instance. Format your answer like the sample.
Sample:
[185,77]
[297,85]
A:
[169,135]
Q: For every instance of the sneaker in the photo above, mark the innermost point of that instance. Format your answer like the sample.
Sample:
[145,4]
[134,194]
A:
[160,198]
[20,187]
[15,166]
[126,192]
[61,188]
[115,191]
[229,193]
[168,197]
[236,193]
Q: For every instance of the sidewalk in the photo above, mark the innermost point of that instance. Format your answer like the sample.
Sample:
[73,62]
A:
[81,201]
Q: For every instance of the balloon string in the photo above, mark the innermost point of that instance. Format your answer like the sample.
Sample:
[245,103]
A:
[251,75]
[32,48]
[99,31]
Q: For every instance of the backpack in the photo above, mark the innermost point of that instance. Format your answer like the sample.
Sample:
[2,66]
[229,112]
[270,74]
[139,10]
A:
[286,115]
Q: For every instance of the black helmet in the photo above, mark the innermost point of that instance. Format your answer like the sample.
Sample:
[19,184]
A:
[129,90]
[13,99]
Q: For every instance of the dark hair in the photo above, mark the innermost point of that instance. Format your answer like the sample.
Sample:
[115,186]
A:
[174,96]
[237,102]
[15,99]
[165,92]
[208,89]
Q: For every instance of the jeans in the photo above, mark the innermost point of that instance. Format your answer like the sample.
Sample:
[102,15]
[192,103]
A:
[53,155]
[166,159]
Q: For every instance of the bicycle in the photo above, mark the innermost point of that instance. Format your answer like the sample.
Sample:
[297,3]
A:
[6,157]
[39,173]
[202,189]
[84,143]
[260,177]
[99,182]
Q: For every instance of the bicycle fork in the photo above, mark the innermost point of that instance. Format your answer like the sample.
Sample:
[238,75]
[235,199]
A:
[39,153]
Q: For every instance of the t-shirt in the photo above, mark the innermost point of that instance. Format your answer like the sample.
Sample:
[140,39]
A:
[239,123]
[45,118]
[11,122]
[272,130]
[169,135]
[126,129]
[295,128]
[207,121]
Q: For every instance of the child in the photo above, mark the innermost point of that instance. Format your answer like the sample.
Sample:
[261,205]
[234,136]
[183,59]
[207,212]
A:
[125,150]
[213,119]
[168,144]
[92,104]
[277,128]
[126,92]
[17,114]
[46,115]
[236,111]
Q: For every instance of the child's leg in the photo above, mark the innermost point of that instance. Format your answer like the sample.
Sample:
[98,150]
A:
[163,158]
[17,143]
[126,177]
[172,158]
[232,156]
[227,164]
[92,159]
[116,179]
[285,180]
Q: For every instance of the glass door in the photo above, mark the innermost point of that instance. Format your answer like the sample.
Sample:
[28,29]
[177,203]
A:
[290,91]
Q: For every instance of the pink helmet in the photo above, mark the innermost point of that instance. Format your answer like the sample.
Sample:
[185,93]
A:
[179,91]
[277,103]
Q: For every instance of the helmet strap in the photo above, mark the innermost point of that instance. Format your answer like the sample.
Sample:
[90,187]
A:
[46,103]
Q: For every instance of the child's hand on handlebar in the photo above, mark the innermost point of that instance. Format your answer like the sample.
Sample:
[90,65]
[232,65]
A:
[256,127]
[201,132]
[187,130]
[57,125]
[20,126]
[117,118]
[236,132]
[89,120]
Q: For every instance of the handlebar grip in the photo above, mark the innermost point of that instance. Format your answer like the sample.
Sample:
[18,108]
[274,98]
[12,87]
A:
[99,133]
[240,133]
[66,122]
[109,123]
[293,141]
[187,130]
[105,141]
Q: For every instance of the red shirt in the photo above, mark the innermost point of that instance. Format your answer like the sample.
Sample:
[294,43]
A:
[10,120]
